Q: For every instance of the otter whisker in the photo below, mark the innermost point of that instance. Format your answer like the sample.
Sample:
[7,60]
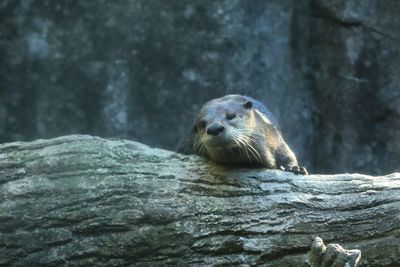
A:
[238,141]
[254,152]
[202,149]
[243,145]
[247,141]
[199,147]
[196,146]
[237,144]
[258,156]
[244,142]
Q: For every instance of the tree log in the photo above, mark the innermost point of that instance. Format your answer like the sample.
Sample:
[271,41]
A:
[84,201]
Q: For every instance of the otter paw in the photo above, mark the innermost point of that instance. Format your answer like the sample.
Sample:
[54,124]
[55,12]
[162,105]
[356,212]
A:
[299,170]
[303,170]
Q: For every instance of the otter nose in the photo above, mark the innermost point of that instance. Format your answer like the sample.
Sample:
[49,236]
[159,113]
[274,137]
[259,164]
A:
[215,129]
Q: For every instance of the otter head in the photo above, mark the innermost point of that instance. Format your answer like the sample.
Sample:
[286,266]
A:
[224,130]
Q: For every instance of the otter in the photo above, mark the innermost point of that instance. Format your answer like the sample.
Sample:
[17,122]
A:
[239,130]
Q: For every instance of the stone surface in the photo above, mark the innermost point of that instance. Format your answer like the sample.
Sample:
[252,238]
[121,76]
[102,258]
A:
[87,201]
[141,69]
[356,85]
[332,255]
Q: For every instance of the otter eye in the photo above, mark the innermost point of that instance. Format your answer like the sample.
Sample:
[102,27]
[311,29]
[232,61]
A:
[201,125]
[230,116]
[248,105]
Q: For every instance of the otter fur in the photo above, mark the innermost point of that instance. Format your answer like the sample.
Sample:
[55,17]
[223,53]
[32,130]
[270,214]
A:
[239,130]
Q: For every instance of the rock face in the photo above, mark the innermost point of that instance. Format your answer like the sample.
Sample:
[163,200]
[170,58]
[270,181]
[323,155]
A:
[141,69]
[87,201]
[356,85]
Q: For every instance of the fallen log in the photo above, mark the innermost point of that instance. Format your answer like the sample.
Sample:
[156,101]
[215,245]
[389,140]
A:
[86,201]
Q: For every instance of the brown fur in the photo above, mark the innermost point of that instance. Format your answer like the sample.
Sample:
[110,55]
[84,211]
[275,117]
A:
[250,135]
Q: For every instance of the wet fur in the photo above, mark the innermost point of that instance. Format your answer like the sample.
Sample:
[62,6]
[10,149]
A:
[254,138]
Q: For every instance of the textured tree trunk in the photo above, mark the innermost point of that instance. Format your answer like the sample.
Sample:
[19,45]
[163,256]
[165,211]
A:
[84,201]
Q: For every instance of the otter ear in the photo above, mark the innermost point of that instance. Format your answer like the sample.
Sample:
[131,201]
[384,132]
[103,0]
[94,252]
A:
[248,105]
[194,128]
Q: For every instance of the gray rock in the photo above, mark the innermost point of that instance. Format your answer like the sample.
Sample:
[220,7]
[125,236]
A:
[141,69]
[87,201]
[332,255]
[356,86]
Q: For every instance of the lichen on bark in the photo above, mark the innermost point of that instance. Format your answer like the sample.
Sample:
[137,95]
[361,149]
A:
[82,200]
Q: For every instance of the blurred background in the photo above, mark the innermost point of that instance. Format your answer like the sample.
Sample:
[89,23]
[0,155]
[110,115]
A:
[141,69]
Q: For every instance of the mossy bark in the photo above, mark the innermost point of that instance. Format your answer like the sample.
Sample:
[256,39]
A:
[82,200]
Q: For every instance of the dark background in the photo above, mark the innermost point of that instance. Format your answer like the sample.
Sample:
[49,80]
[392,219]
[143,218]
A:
[140,69]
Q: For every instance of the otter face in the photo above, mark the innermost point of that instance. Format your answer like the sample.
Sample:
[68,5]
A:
[222,130]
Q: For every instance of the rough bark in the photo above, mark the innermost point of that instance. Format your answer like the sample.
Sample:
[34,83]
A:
[81,200]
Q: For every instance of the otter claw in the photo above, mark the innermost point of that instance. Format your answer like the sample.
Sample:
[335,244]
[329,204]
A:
[303,171]
[295,169]
[298,170]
